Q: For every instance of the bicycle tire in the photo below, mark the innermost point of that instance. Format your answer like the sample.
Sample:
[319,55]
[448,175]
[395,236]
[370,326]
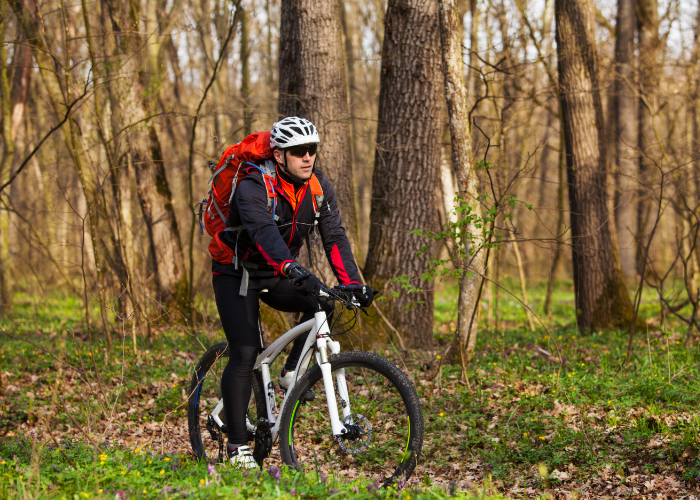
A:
[205,387]
[303,430]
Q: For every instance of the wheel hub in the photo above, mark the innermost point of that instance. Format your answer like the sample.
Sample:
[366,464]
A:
[358,435]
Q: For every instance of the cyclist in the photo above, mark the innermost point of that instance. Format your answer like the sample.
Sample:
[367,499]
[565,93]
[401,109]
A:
[268,248]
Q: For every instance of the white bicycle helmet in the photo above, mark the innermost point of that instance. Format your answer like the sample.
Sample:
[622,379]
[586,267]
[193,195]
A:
[293,131]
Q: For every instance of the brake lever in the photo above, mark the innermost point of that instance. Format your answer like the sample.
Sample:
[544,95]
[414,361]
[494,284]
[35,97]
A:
[363,310]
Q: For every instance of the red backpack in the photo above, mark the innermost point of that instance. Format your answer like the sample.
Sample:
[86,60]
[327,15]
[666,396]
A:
[253,151]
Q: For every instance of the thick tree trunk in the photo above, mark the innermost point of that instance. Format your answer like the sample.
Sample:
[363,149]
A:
[127,89]
[312,85]
[625,136]
[602,298]
[463,163]
[407,161]
[649,150]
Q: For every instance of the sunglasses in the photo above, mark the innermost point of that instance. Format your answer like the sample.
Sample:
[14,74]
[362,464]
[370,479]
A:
[300,151]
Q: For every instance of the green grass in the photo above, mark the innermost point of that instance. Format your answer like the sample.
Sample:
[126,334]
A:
[77,471]
[519,416]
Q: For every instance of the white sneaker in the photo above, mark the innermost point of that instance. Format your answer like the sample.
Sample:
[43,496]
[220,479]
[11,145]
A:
[286,379]
[242,458]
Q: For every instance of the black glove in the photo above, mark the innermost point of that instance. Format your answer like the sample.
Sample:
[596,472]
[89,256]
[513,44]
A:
[303,278]
[366,297]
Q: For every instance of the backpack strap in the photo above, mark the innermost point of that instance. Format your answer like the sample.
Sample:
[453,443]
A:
[269,174]
[318,198]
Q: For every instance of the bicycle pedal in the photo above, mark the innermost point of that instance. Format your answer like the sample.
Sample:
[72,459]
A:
[309,396]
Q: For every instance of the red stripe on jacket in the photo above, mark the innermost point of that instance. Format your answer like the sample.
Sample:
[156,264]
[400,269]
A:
[339,266]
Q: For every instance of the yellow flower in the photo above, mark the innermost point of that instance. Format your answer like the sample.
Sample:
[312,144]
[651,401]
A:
[137,450]
[150,461]
[144,491]
[442,414]
[609,401]
[201,481]
[438,356]
[542,438]
[100,491]
[167,459]
[123,472]
[162,471]
[2,463]
[138,473]
[525,434]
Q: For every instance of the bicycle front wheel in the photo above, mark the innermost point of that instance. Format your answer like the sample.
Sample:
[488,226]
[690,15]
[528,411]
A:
[385,425]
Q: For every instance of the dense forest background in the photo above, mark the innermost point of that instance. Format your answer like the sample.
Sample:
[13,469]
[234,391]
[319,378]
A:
[571,131]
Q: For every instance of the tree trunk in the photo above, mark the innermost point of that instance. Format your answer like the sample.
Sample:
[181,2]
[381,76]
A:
[245,76]
[602,298]
[352,90]
[8,154]
[625,136]
[407,160]
[129,106]
[312,86]
[473,50]
[558,251]
[649,151]
[463,163]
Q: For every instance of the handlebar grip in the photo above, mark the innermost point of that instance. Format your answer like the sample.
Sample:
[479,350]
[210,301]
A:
[299,279]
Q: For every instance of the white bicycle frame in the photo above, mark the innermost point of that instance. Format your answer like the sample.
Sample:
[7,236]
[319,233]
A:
[318,332]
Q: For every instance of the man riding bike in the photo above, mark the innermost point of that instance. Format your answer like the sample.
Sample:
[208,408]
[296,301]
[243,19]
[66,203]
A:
[268,246]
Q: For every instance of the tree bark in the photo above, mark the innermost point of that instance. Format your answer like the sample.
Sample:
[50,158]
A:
[406,166]
[649,150]
[8,154]
[128,97]
[312,85]
[625,136]
[352,90]
[602,298]
[245,76]
[463,163]
[558,251]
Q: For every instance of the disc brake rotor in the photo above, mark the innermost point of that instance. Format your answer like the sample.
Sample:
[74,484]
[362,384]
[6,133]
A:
[359,434]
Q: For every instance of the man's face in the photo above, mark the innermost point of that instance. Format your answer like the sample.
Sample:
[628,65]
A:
[301,168]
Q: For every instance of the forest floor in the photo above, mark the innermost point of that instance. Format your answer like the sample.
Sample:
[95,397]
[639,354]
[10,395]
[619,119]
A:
[544,414]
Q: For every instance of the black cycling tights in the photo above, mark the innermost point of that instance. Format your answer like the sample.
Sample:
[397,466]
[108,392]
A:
[239,318]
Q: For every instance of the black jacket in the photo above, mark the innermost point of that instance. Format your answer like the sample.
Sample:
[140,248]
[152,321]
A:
[269,244]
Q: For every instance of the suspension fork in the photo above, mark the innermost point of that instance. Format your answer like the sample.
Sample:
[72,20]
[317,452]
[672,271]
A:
[324,345]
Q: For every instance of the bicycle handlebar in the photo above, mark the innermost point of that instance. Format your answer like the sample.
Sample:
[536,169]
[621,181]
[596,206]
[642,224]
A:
[345,294]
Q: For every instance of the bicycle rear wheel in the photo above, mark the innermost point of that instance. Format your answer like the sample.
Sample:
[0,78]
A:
[207,439]
[386,423]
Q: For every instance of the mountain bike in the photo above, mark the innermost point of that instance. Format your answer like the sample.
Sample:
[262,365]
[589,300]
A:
[349,414]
